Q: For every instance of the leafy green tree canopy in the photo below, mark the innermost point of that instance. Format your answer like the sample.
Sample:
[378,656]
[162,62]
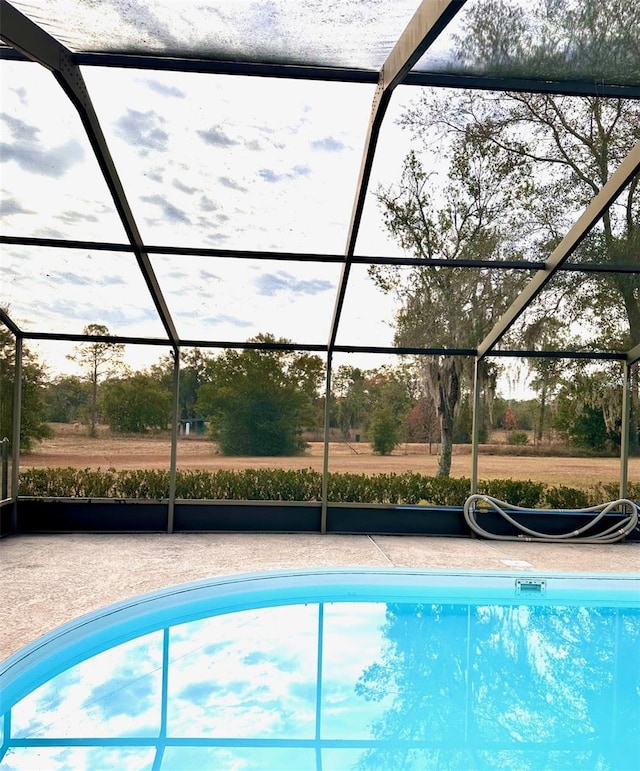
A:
[193,373]
[259,401]
[135,404]
[67,399]
[384,430]
[350,392]
[32,417]
[588,409]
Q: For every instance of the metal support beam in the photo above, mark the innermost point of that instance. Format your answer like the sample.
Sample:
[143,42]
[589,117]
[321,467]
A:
[15,438]
[380,103]
[625,429]
[475,427]
[4,460]
[629,167]
[347,75]
[175,419]
[10,324]
[633,357]
[427,23]
[325,449]
[323,257]
[31,40]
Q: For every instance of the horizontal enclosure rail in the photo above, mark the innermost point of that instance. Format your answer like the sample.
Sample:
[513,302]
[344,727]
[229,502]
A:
[418,78]
[238,254]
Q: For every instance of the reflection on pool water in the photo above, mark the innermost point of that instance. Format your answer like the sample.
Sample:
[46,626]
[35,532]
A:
[338,670]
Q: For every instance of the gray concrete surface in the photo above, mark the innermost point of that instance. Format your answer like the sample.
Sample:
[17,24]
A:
[47,580]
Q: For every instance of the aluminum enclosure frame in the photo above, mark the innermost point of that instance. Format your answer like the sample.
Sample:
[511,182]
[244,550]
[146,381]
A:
[28,40]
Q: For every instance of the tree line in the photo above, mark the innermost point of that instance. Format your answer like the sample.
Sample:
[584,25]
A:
[262,402]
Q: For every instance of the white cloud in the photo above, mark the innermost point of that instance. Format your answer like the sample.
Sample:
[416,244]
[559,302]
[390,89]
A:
[56,187]
[220,168]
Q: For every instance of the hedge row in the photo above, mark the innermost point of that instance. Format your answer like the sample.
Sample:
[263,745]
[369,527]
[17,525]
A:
[304,485]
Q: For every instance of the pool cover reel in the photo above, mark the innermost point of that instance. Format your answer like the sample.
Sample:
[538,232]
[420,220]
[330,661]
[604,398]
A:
[626,509]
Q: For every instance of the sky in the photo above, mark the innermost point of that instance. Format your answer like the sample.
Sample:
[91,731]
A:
[206,161]
[219,161]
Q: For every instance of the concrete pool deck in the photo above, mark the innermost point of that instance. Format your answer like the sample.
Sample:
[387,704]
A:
[47,580]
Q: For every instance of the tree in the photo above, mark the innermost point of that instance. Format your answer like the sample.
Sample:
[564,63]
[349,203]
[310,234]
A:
[421,422]
[349,388]
[588,409]
[478,213]
[66,399]
[135,404]
[98,360]
[193,373]
[575,142]
[548,333]
[391,393]
[258,401]
[510,420]
[384,429]
[32,415]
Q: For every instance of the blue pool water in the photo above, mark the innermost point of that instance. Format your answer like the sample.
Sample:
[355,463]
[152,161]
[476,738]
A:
[338,669]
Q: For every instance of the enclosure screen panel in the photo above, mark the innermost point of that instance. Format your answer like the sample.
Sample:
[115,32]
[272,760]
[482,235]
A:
[583,41]
[209,160]
[51,184]
[51,289]
[234,299]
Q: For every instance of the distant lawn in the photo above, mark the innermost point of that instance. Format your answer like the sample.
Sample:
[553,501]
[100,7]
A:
[71,447]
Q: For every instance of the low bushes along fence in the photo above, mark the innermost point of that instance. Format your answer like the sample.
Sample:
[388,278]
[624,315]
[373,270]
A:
[305,485]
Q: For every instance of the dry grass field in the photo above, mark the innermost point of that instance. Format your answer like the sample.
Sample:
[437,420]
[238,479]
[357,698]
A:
[70,446]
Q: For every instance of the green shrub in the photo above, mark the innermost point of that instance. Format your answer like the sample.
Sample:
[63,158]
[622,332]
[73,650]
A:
[611,492]
[150,484]
[306,485]
[561,497]
[517,437]
[517,492]
[69,483]
[384,431]
[448,491]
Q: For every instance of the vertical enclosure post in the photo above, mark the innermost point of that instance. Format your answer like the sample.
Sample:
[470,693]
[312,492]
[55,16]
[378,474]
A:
[625,428]
[15,440]
[475,427]
[175,417]
[325,449]
[4,443]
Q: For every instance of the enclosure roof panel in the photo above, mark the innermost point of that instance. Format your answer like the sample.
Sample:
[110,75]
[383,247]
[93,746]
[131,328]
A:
[523,43]
[540,41]
[349,33]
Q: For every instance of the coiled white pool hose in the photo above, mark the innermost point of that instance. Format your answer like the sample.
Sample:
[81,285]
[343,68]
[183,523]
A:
[628,511]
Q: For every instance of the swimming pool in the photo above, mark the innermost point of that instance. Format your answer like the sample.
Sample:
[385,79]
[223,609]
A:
[338,669]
